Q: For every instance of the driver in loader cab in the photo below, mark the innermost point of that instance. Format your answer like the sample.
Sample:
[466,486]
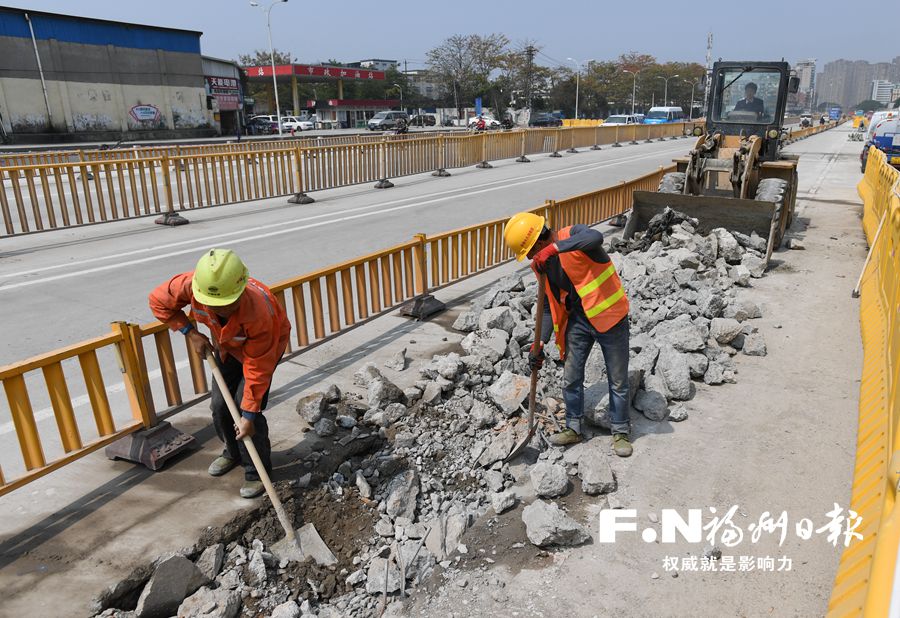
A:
[750,103]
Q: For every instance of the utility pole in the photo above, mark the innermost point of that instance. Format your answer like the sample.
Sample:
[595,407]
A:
[530,51]
[709,43]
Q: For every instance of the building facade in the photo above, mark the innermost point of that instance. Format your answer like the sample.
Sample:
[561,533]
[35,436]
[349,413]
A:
[224,94]
[849,82]
[882,91]
[65,78]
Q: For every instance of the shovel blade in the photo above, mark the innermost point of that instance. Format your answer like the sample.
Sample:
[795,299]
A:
[307,544]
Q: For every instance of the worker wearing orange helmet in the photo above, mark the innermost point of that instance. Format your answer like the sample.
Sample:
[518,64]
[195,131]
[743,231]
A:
[249,331]
[585,304]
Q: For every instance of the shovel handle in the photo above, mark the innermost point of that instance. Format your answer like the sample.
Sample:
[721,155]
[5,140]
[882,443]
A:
[538,324]
[251,448]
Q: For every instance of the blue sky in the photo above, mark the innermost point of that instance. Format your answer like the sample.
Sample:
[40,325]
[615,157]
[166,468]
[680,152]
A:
[353,30]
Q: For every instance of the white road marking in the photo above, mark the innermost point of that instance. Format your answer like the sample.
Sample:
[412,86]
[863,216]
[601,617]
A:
[77,402]
[202,244]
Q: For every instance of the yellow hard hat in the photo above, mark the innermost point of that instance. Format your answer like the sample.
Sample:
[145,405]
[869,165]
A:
[220,278]
[521,232]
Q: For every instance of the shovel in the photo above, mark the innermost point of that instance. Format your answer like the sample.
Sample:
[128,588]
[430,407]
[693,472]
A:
[296,545]
[532,394]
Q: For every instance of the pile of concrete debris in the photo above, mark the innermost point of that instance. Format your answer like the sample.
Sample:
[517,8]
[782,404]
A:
[442,466]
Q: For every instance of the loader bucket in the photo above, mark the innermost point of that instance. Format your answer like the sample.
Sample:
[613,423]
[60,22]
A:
[734,214]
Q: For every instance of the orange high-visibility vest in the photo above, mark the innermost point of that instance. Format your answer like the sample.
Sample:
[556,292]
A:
[597,283]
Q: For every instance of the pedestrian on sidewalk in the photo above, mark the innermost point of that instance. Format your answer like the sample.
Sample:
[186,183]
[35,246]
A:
[249,331]
[584,304]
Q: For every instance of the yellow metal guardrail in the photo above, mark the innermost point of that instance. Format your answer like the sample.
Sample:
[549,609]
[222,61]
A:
[581,122]
[55,190]
[321,305]
[868,580]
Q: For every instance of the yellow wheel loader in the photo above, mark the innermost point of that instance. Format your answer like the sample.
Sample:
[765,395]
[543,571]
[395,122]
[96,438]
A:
[735,176]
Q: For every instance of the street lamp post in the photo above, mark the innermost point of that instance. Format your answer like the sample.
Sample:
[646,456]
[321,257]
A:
[397,86]
[577,80]
[693,84]
[272,58]
[666,91]
[633,87]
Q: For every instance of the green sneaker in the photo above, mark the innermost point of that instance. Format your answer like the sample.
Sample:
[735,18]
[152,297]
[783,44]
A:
[221,465]
[621,445]
[252,489]
[565,438]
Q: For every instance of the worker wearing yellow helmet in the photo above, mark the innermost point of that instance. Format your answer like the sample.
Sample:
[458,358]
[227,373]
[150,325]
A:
[249,331]
[585,304]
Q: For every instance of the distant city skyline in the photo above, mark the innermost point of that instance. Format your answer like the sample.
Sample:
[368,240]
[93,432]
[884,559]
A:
[584,30]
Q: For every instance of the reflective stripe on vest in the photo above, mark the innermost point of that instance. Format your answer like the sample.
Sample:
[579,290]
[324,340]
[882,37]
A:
[606,304]
[596,283]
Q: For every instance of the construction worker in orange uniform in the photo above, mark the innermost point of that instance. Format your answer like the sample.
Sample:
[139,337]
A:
[250,332]
[585,303]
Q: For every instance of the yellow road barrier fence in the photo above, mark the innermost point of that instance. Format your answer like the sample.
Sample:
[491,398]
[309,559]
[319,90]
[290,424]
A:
[43,191]
[143,366]
[868,578]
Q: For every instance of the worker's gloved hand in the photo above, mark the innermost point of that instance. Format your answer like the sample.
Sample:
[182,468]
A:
[199,342]
[244,428]
[540,259]
[536,356]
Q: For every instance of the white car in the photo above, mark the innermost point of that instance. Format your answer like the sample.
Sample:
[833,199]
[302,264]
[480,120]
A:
[620,120]
[292,123]
[489,122]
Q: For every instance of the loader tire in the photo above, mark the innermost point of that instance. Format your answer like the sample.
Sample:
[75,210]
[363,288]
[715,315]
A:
[673,182]
[775,190]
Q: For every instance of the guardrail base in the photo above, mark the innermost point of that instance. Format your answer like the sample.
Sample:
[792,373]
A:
[523,159]
[633,142]
[484,165]
[441,173]
[617,145]
[572,150]
[422,307]
[555,155]
[171,219]
[648,140]
[596,147]
[300,198]
[152,447]
[618,221]
[384,183]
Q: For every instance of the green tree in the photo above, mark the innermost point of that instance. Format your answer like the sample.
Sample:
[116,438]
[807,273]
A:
[869,105]
[465,64]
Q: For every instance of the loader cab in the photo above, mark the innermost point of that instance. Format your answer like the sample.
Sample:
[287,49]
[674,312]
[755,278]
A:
[749,98]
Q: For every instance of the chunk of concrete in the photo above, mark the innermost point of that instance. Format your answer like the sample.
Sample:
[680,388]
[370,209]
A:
[210,561]
[497,317]
[402,491]
[549,479]
[375,577]
[209,603]
[172,581]
[311,407]
[546,524]
[594,471]
[509,391]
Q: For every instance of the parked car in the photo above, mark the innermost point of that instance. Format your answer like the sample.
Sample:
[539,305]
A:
[423,120]
[544,120]
[662,115]
[273,123]
[293,123]
[489,122]
[620,119]
[259,125]
[382,121]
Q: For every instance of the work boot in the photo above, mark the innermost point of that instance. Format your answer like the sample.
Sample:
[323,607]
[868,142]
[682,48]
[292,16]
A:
[221,465]
[621,445]
[251,489]
[565,438]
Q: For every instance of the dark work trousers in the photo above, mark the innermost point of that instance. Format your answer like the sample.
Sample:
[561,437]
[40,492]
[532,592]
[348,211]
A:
[233,372]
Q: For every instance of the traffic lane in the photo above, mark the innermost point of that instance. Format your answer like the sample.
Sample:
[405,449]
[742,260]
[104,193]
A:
[57,296]
[27,253]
